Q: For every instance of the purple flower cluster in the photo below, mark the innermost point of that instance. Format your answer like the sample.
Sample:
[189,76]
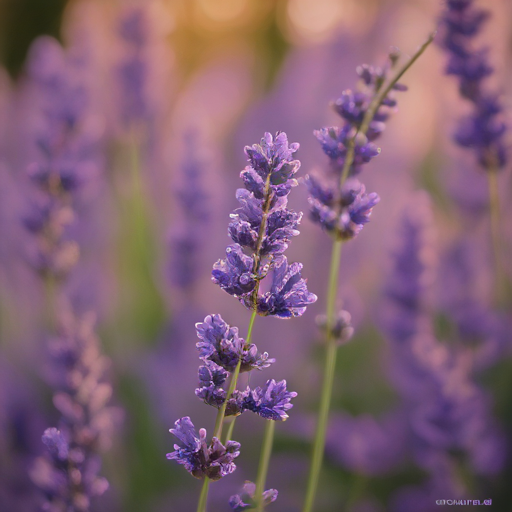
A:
[340,206]
[200,459]
[342,214]
[245,500]
[484,129]
[221,349]
[261,229]
[66,156]
[68,474]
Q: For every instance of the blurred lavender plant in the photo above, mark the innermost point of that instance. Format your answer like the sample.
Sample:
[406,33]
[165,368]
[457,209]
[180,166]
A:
[67,150]
[68,473]
[67,154]
[261,230]
[340,205]
[186,238]
[484,129]
[450,417]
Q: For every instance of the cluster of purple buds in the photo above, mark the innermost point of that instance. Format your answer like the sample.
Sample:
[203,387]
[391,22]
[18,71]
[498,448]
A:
[200,459]
[261,229]
[66,156]
[340,206]
[221,350]
[68,473]
[484,129]
[340,212]
[245,500]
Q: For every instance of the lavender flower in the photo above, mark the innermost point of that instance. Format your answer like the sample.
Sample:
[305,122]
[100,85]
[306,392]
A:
[272,401]
[484,129]
[245,500]
[68,475]
[342,213]
[222,345]
[66,155]
[200,460]
[221,349]
[261,229]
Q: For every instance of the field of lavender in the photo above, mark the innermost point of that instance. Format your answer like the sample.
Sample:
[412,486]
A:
[255,256]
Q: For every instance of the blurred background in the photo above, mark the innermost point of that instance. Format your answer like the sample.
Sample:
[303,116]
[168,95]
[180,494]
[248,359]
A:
[168,93]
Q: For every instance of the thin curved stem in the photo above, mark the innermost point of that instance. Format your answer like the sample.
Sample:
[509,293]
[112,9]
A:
[329,370]
[266,452]
[203,497]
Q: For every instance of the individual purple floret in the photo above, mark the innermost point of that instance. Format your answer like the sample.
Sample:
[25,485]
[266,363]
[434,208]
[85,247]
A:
[272,401]
[235,274]
[245,500]
[288,296]
[200,459]
[68,474]
[222,345]
[484,129]
[261,229]
[341,212]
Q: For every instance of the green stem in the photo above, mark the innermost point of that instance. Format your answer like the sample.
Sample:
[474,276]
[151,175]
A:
[203,497]
[266,451]
[329,368]
[229,431]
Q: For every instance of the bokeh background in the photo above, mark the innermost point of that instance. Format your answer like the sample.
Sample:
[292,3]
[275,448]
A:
[211,77]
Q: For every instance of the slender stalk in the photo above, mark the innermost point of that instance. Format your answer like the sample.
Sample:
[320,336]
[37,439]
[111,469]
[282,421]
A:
[266,451]
[329,370]
[203,497]
[229,431]
[331,347]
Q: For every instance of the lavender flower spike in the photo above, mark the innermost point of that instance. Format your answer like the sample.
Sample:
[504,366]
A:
[68,474]
[484,129]
[245,500]
[199,459]
[261,229]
